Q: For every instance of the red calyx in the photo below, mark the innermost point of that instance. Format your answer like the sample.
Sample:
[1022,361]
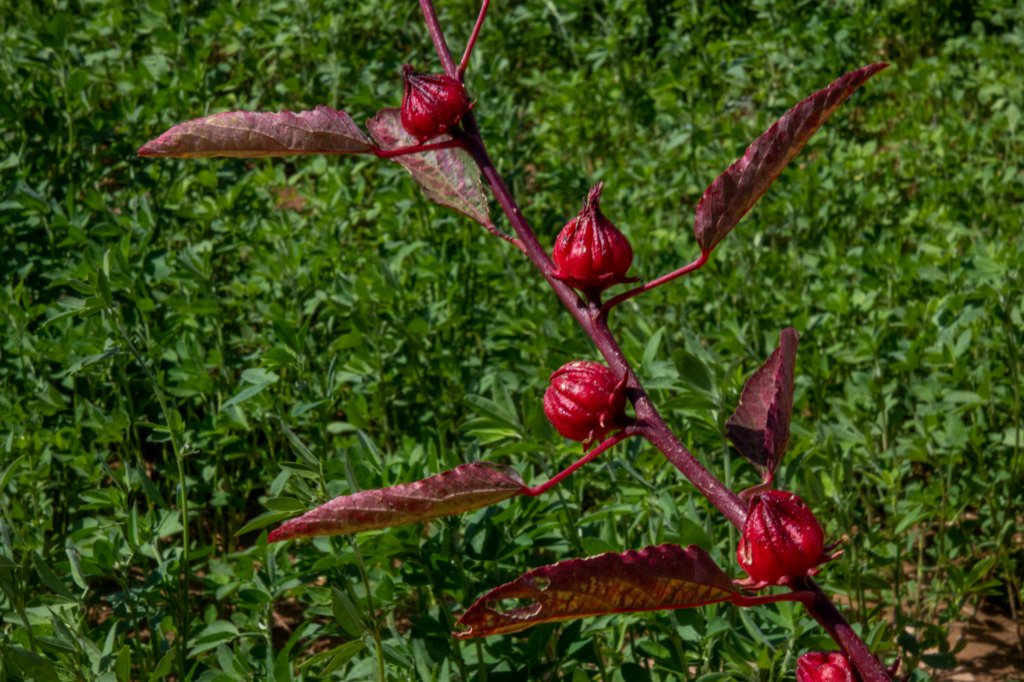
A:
[585,402]
[781,540]
[824,666]
[432,103]
[590,253]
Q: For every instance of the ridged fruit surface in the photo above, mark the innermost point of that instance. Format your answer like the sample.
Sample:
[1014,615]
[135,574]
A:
[432,103]
[824,666]
[590,253]
[584,401]
[781,539]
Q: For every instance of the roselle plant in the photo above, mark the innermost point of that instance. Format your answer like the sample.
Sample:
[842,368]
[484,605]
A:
[434,135]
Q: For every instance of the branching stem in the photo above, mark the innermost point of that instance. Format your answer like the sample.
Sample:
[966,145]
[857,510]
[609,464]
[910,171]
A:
[650,424]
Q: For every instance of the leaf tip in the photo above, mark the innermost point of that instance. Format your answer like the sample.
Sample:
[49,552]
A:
[148,150]
[286,531]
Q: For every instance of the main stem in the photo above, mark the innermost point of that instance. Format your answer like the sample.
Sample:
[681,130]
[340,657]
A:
[650,424]
[588,315]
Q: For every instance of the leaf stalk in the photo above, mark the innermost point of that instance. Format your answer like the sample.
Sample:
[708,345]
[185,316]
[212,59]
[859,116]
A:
[647,286]
[590,456]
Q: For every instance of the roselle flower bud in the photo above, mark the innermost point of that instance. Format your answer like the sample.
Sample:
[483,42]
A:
[781,539]
[824,666]
[432,103]
[584,401]
[590,253]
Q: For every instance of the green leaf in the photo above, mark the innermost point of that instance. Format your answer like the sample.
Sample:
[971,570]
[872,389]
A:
[335,658]
[347,614]
[213,634]
[30,663]
[263,520]
[164,666]
[49,578]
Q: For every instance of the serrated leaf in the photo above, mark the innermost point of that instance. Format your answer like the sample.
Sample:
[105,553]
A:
[466,487]
[448,176]
[759,428]
[247,134]
[654,578]
[734,192]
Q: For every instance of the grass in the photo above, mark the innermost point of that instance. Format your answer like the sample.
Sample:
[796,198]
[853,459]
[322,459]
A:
[189,346]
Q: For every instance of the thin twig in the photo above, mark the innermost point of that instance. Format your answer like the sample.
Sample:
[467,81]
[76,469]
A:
[415,149]
[562,475]
[647,286]
[493,229]
[461,71]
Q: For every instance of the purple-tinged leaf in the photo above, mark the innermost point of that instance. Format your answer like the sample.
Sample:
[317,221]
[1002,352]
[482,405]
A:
[654,578]
[734,192]
[466,487]
[759,428]
[448,176]
[247,134]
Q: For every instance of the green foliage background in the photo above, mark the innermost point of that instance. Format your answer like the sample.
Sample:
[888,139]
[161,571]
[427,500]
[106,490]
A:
[314,326]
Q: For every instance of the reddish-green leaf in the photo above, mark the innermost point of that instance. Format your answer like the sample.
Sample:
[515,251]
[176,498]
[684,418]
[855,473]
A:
[465,487]
[655,578]
[759,428]
[448,176]
[251,134]
[734,192]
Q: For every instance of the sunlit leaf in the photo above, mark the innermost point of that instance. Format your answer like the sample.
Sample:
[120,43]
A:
[734,192]
[465,487]
[654,578]
[250,134]
[759,428]
[448,176]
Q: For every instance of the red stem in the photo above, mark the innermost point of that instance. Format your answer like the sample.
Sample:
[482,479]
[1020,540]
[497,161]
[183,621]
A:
[437,37]
[828,616]
[686,269]
[415,149]
[804,598]
[649,422]
[561,476]
[461,71]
